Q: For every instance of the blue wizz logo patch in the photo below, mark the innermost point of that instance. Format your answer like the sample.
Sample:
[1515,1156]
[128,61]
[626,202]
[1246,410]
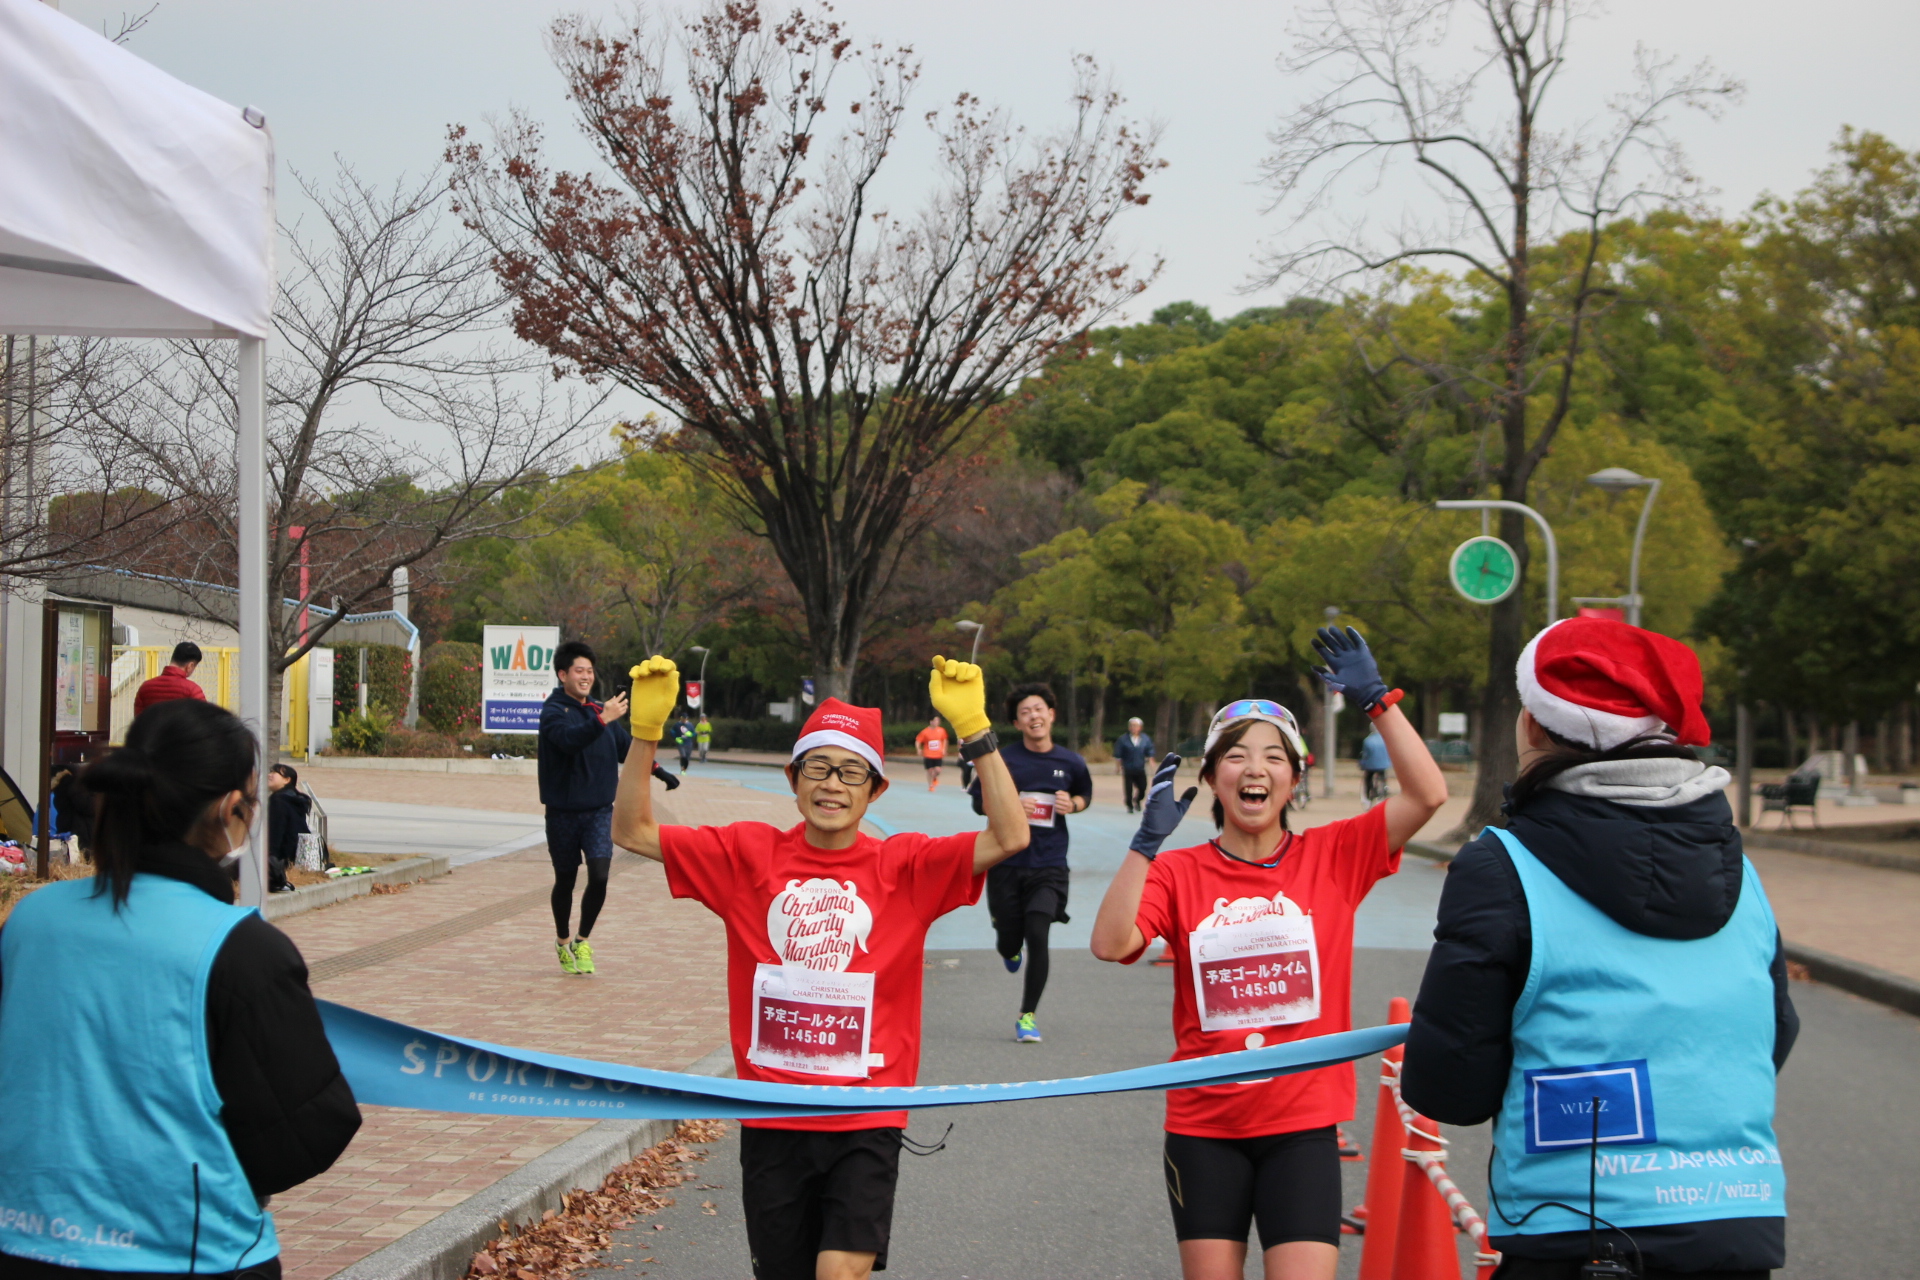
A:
[1561,1103]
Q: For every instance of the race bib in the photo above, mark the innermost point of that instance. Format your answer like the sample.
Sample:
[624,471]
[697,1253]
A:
[1043,807]
[811,1021]
[1261,973]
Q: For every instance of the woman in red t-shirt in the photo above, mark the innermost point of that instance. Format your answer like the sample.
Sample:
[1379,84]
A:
[1260,923]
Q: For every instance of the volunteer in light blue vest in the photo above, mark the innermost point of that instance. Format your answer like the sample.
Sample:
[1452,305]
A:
[1607,983]
[162,1040]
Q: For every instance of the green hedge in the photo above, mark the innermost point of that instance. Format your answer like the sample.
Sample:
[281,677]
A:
[450,687]
[389,679]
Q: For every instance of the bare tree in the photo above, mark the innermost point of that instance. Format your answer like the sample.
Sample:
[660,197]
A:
[738,269]
[396,427]
[1508,189]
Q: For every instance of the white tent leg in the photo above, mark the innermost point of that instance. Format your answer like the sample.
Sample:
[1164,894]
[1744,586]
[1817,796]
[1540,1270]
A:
[252,457]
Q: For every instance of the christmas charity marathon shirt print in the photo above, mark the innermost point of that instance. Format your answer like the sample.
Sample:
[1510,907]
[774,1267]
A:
[809,1013]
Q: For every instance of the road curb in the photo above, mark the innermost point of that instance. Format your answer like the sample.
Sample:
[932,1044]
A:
[1863,980]
[1865,855]
[443,1248]
[279,906]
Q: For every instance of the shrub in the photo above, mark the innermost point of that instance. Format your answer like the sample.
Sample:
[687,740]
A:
[450,688]
[419,744]
[389,678]
[361,735]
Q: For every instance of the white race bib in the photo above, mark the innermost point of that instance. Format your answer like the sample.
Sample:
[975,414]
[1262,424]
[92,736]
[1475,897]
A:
[1262,973]
[811,1021]
[1044,805]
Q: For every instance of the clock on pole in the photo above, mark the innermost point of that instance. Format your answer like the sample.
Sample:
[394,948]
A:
[1484,570]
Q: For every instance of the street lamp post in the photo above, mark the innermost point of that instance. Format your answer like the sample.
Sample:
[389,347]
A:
[1546,535]
[967,624]
[1619,480]
[703,651]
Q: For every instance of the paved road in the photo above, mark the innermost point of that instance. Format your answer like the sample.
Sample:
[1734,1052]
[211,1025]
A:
[468,835]
[1070,1188]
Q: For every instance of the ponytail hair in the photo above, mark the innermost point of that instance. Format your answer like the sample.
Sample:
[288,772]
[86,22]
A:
[180,757]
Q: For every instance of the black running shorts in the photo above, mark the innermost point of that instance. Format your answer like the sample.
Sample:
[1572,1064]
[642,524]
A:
[1012,892]
[804,1190]
[1288,1183]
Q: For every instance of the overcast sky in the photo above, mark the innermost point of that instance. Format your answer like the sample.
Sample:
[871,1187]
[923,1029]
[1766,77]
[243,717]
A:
[378,81]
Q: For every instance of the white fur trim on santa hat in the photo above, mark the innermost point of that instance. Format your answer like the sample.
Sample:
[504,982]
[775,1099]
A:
[1602,730]
[835,738]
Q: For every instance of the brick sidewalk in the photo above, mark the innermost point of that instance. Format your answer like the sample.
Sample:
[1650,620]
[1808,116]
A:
[659,1000]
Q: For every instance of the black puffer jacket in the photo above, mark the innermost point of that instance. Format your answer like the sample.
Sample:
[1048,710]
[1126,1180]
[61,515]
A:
[1667,870]
[284,1102]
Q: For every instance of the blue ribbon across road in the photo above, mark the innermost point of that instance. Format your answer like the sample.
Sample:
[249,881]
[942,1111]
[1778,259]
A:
[390,1064]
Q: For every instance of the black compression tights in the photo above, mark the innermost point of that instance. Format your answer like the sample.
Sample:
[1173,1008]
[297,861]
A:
[1038,922]
[590,902]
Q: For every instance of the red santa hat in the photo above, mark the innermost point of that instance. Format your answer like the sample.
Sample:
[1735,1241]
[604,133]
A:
[840,724]
[1601,683]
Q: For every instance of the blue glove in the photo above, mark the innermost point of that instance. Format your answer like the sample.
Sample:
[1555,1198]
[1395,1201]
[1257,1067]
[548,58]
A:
[1350,666]
[1161,813]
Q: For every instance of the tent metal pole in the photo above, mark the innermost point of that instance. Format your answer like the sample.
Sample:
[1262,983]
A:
[252,458]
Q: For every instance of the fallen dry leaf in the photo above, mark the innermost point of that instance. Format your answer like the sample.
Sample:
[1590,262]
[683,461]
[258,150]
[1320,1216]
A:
[569,1240]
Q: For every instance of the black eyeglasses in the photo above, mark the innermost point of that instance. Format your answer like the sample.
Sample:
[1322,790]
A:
[819,768]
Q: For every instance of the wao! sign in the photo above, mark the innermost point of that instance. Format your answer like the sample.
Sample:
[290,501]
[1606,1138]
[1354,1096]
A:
[518,677]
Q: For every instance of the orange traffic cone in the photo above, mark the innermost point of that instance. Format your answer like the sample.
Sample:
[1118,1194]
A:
[1423,1247]
[1380,1213]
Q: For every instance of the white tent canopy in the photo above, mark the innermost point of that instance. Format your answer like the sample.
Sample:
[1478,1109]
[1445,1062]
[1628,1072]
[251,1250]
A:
[134,205]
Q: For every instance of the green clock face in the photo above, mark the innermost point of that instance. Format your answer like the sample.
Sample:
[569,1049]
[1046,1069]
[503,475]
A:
[1484,570]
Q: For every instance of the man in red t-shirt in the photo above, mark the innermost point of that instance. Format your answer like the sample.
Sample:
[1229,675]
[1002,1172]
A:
[175,682]
[826,930]
[932,742]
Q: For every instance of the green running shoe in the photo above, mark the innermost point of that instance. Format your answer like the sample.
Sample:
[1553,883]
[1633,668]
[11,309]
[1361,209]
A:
[1025,1031]
[583,956]
[567,962]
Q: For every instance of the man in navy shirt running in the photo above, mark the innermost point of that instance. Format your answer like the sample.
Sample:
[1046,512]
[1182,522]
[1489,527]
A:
[1027,893]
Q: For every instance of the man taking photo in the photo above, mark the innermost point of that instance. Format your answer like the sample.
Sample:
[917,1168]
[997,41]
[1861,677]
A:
[582,743]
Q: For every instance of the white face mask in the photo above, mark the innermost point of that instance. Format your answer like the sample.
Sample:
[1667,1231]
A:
[234,859]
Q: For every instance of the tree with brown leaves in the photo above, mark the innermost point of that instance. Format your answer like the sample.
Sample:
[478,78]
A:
[735,263]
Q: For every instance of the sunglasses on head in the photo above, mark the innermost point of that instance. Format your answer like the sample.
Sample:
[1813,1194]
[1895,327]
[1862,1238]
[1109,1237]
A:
[1263,709]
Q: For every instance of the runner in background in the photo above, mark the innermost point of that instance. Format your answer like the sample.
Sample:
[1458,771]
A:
[1260,921]
[683,739]
[1027,894]
[1133,752]
[703,735]
[932,742]
[826,939]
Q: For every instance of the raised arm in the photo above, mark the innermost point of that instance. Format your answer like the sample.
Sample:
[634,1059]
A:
[1423,788]
[1351,669]
[656,684]
[959,694]
[1116,931]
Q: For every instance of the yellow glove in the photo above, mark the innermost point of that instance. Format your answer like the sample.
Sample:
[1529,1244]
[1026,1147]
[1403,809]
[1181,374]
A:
[959,693]
[656,687]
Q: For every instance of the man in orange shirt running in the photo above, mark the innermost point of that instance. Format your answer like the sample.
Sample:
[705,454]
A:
[932,742]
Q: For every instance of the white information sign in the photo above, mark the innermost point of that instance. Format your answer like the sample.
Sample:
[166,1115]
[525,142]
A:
[517,677]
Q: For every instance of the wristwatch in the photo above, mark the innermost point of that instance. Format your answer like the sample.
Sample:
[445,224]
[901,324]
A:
[984,745]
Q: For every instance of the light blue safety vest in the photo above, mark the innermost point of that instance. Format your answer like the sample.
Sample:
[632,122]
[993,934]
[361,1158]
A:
[123,1164]
[1675,1039]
